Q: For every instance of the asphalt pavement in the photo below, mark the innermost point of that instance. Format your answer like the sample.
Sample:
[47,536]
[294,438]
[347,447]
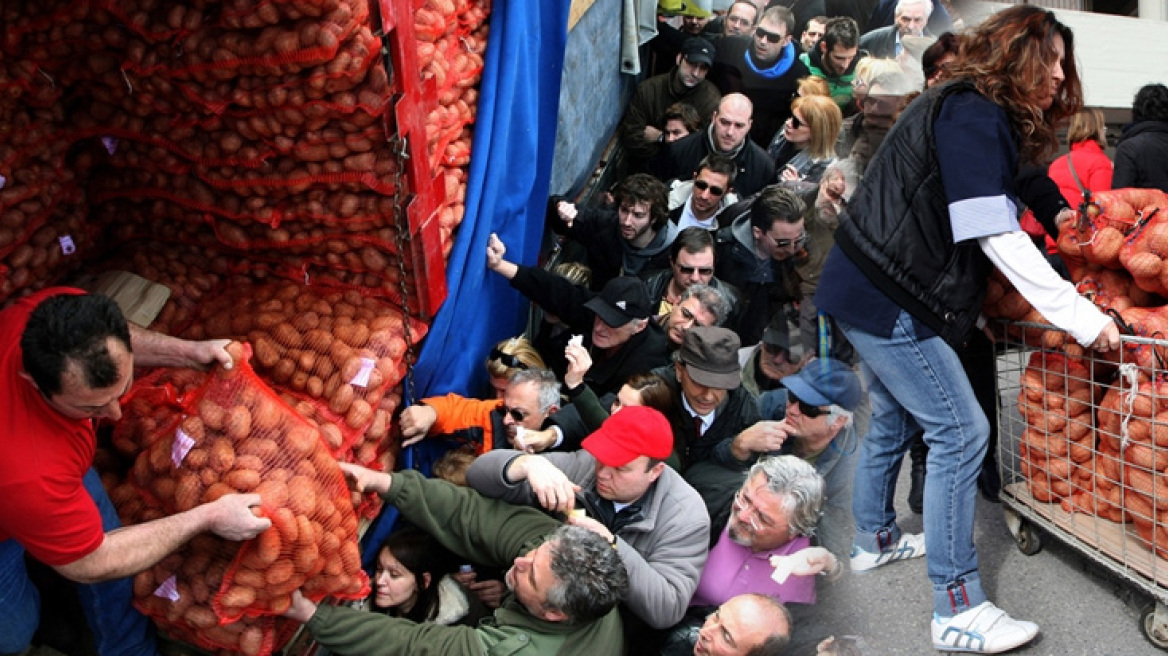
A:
[1081,608]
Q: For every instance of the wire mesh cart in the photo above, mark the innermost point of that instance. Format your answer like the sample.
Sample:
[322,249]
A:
[1083,452]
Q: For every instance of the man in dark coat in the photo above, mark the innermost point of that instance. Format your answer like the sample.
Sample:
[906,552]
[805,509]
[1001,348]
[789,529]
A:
[616,321]
[765,67]
[642,128]
[727,135]
[1141,158]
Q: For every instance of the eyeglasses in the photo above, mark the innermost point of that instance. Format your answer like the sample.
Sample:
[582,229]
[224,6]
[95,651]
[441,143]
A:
[757,521]
[507,359]
[787,243]
[715,190]
[805,408]
[516,413]
[769,36]
[796,123]
[702,271]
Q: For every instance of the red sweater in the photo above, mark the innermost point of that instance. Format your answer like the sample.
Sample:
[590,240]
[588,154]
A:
[43,458]
[1094,171]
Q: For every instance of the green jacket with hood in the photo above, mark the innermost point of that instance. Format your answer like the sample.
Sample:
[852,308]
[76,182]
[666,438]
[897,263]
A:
[492,533]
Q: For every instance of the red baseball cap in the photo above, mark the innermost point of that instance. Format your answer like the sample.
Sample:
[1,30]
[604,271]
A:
[634,431]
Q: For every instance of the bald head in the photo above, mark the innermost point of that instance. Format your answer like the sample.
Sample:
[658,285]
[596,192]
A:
[731,122]
[747,624]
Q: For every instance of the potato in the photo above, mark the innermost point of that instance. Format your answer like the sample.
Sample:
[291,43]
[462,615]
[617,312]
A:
[222,456]
[302,495]
[238,423]
[238,597]
[243,480]
[200,617]
[342,399]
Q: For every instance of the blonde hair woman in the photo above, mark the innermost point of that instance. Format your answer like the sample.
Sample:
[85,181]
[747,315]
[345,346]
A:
[509,356]
[806,144]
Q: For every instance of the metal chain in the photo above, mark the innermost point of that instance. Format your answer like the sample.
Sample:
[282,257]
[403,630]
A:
[401,223]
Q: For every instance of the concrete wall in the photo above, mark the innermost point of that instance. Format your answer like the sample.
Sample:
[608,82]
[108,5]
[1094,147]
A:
[593,95]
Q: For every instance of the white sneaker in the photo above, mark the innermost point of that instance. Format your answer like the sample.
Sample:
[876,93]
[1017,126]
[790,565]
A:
[910,545]
[983,629]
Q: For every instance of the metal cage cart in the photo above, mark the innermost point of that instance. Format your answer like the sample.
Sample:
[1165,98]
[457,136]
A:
[1083,454]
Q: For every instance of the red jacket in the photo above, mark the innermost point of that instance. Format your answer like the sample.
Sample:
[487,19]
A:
[1094,171]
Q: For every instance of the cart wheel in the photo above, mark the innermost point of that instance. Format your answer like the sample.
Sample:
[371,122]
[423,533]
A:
[1027,538]
[1155,631]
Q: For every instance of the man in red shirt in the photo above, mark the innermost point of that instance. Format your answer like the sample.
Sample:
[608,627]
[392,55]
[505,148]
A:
[66,358]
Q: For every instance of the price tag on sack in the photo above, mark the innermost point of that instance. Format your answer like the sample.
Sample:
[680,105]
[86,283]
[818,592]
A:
[168,590]
[361,378]
[181,447]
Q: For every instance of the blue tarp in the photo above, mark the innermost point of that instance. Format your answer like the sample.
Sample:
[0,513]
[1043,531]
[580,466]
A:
[507,188]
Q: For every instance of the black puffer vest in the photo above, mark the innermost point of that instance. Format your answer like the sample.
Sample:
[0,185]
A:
[896,228]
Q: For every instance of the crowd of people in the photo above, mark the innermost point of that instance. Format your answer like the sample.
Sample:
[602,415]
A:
[778,302]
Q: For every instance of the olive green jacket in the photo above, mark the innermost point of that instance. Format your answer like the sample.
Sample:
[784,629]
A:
[492,533]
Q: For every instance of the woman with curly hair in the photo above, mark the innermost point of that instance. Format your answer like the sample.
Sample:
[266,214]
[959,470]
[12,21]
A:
[935,213]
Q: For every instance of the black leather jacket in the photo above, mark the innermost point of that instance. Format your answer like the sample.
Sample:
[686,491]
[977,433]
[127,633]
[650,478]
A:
[896,228]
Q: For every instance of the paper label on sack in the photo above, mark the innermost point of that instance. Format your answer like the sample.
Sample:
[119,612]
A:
[181,447]
[168,590]
[361,379]
[67,245]
[783,566]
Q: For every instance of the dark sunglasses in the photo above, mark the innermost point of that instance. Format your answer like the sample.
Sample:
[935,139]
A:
[808,410]
[689,271]
[702,185]
[516,414]
[796,123]
[508,359]
[769,36]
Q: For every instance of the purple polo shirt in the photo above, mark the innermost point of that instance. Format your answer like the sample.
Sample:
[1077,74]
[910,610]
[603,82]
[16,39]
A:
[733,569]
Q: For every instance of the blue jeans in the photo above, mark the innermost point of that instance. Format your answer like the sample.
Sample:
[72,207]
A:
[118,629]
[919,383]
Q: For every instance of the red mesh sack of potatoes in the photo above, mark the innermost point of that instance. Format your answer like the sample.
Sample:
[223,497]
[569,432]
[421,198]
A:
[1146,245]
[339,351]
[153,402]
[1098,235]
[1150,323]
[1056,403]
[239,437]
[176,592]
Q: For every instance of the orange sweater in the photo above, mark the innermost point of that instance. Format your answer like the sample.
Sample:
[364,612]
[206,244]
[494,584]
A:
[457,413]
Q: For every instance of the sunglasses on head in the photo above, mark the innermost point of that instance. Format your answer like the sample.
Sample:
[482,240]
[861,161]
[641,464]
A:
[516,414]
[507,359]
[807,410]
[769,36]
[689,271]
[702,185]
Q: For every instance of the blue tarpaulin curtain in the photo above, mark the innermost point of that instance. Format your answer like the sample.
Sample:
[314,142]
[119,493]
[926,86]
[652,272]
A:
[507,188]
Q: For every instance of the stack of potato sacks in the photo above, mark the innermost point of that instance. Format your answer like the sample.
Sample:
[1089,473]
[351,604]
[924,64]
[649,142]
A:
[1111,464]
[227,432]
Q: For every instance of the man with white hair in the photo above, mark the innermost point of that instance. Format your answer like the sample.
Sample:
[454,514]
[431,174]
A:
[911,18]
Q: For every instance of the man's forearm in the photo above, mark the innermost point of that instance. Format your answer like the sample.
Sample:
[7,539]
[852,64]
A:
[132,549]
[153,349]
